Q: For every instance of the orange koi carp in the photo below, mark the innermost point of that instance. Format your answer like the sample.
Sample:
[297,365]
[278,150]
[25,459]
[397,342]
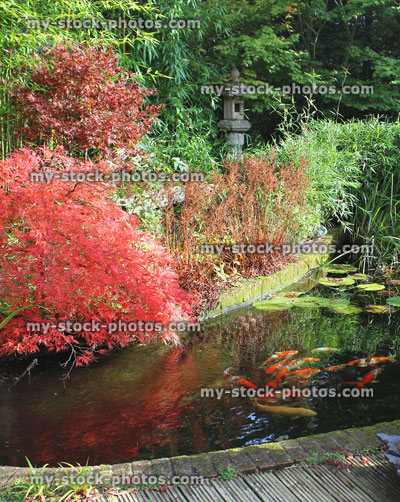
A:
[367,379]
[281,355]
[378,360]
[281,373]
[275,367]
[304,373]
[244,383]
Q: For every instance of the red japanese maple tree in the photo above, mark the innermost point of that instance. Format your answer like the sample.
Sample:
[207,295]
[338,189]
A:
[71,254]
[80,97]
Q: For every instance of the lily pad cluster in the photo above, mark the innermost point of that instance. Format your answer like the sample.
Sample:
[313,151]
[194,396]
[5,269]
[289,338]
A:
[336,281]
[285,301]
[350,279]
[289,300]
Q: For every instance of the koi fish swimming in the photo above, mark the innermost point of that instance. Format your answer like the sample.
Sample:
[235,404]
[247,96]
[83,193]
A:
[286,372]
[362,363]
[305,373]
[368,378]
[281,355]
[242,382]
[275,367]
[378,360]
[285,410]
[297,363]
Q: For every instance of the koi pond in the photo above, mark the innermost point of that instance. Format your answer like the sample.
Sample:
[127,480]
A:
[146,402]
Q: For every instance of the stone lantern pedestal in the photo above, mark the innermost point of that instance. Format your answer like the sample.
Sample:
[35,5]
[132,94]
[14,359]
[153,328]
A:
[234,122]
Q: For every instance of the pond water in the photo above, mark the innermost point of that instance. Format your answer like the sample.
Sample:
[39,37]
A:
[145,402]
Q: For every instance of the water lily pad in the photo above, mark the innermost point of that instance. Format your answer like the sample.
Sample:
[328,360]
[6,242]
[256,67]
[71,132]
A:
[347,309]
[275,301]
[284,302]
[308,305]
[339,269]
[378,309]
[318,300]
[371,287]
[359,277]
[272,306]
[336,281]
[311,301]
[394,301]
[290,294]
[387,292]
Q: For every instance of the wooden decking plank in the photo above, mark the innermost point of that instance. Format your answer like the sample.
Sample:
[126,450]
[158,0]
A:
[304,486]
[126,497]
[234,490]
[201,493]
[269,488]
[172,494]
[377,461]
[374,484]
[345,489]
[374,490]
[371,481]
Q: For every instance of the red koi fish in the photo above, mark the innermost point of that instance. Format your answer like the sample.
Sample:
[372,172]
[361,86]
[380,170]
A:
[324,349]
[367,379]
[281,373]
[337,367]
[273,384]
[281,355]
[244,383]
[305,373]
[362,363]
[379,360]
[275,367]
[358,362]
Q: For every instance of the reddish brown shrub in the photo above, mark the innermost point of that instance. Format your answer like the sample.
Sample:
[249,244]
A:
[81,98]
[251,202]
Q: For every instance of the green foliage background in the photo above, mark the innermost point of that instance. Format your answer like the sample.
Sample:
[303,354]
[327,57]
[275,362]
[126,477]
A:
[270,41]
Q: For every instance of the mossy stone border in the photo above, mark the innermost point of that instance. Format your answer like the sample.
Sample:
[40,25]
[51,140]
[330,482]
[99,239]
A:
[251,290]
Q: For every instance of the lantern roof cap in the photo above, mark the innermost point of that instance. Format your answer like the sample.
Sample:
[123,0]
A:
[234,87]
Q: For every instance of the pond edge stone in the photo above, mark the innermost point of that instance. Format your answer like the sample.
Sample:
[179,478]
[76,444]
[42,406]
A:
[244,460]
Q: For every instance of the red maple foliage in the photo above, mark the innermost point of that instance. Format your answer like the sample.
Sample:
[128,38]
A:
[81,98]
[68,251]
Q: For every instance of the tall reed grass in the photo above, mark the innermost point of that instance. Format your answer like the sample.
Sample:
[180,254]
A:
[251,202]
[354,171]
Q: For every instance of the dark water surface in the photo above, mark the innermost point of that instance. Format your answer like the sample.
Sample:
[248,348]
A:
[144,402]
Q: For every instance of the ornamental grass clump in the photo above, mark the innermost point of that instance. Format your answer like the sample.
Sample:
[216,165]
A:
[251,202]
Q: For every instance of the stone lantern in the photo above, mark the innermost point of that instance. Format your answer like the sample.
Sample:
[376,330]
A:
[234,121]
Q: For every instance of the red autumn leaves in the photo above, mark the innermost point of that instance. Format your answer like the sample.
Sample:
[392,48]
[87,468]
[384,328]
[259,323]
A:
[66,248]
[80,97]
